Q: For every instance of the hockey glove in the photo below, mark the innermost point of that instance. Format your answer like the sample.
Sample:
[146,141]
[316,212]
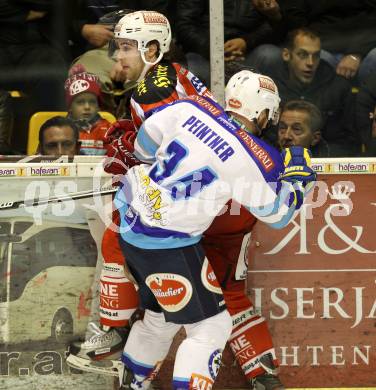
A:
[298,172]
[117,129]
[297,161]
[120,155]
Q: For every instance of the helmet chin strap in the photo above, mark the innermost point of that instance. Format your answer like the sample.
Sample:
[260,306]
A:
[148,64]
[144,71]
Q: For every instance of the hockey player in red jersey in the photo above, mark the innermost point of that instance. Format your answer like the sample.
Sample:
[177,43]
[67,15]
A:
[225,241]
[139,47]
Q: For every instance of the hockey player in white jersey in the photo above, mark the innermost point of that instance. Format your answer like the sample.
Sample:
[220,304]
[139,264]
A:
[206,158]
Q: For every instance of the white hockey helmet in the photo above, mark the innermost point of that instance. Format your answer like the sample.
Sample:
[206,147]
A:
[248,94]
[144,27]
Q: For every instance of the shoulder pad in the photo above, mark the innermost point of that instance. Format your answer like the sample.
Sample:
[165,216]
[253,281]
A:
[158,84]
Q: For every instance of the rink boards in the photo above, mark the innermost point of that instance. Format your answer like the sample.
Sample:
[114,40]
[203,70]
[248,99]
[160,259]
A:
[314,281]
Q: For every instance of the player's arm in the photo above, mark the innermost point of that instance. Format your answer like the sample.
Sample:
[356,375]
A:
[277,202]
[147,142]
[151,133]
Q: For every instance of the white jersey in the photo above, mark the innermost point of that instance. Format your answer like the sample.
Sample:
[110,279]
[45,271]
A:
[199,161]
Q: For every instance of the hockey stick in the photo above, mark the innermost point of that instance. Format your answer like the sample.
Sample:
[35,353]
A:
[56,199]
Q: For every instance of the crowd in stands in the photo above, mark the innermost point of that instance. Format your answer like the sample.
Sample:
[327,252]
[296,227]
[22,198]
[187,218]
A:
[322,52]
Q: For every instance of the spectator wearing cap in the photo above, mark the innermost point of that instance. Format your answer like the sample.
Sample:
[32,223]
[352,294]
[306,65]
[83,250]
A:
[84,99]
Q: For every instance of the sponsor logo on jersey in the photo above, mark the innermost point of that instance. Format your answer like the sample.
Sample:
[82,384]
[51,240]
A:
[258,151]
[199,382]
[154,18]
[204,103]
[234,103]
[172,291]
[208,278]
[141,88]
[267,83]
[160,78]
[152,199]
[214,363]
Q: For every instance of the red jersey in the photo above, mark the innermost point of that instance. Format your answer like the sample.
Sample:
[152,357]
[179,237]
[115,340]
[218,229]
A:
[92,139]
[235,221]
[164,83]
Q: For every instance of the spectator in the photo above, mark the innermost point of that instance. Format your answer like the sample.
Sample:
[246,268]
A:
[300,125]
[58,136]
[98,61]
[34,51]
[6,122]
[300,74]
[84,98]
[366,114]
[244,29]
[350,52]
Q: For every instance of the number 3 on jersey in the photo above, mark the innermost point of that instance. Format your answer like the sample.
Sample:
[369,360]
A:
[185,186]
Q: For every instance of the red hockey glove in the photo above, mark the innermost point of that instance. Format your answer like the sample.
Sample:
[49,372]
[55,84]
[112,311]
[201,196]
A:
[120,155]
[117,129]
[119,140]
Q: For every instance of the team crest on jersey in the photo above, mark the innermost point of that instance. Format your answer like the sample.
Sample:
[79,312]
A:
[172,291]
[200,382]
[267,83]
[215,363]
[234,103]
[208,278]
